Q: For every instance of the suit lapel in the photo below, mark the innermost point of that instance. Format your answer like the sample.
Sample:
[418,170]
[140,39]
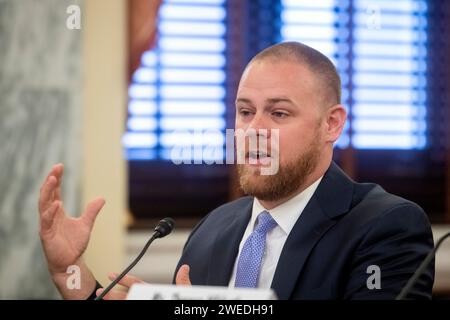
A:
[331,199]
[308,229]
[226,247]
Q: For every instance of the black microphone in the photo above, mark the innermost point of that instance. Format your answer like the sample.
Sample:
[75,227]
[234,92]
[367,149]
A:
[421,269]
[164,227]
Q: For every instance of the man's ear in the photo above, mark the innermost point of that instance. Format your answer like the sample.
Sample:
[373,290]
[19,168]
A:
[335,121]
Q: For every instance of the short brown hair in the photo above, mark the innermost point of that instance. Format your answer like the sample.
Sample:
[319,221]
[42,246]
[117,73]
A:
[316,62]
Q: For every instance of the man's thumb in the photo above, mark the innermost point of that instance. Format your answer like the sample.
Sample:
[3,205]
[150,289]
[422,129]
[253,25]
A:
[92,210]
[182,277]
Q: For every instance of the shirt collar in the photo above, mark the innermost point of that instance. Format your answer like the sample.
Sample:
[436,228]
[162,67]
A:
[287,213]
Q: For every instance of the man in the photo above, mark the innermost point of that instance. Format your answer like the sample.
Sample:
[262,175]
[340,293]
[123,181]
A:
[308,231]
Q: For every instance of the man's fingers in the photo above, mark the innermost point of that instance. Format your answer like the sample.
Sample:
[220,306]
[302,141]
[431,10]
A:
[126,281]
[92,210]
[57,194]
[48,217]
[46,195]
[50,188]
[112,295]
[56,171]
[182,277]
[59,172]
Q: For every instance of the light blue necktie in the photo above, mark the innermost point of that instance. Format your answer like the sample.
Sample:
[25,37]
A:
[249,263]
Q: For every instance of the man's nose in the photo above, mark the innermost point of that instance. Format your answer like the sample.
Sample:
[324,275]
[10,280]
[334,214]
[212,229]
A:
[260,125]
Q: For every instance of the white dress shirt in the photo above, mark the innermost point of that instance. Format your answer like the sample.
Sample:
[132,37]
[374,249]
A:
[285,215]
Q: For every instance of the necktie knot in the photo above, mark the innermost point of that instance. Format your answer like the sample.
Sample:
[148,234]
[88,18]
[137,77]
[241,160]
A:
[265,223]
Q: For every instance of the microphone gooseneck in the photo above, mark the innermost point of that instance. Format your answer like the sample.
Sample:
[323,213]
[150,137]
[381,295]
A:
[164,227]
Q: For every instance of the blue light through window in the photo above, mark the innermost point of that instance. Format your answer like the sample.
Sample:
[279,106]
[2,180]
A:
[323,26]
[180,85]
[388,67]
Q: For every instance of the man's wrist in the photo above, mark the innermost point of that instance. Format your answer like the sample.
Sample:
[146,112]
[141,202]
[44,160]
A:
[79,284]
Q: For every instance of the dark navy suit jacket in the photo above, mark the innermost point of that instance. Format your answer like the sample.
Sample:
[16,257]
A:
[345,228]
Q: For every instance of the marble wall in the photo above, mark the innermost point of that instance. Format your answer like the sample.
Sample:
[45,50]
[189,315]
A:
[40,97]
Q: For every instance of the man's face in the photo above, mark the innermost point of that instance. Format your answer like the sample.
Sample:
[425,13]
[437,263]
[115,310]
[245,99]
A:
[280,95]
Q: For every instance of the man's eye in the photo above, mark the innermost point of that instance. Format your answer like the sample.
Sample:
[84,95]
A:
[279,114]
[244,113]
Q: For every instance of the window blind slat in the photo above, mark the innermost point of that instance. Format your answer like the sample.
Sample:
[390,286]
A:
[180,86]
[388,68]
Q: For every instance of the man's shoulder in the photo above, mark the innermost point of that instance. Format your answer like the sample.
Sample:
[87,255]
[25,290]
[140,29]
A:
[223,215]
[371,201]
[240,203]
[227,211]
[230,209]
